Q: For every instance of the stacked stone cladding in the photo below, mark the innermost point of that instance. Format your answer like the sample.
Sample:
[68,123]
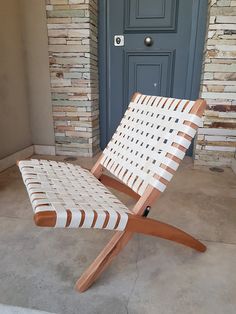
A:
[216,141]
[72,45]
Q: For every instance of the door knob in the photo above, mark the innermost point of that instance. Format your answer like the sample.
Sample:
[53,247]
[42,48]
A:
[148,41]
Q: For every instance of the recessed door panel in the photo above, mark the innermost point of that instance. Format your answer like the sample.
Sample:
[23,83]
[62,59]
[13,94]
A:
[149,73]
[150,15]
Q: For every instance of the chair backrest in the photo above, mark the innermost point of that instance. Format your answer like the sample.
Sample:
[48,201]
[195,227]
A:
[151,140]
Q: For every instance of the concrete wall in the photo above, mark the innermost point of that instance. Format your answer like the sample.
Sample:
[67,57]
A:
[25,99]
[37,69]
[14,110]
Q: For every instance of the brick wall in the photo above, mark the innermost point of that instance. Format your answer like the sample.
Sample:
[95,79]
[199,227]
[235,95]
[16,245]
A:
[72,39]
[216,141]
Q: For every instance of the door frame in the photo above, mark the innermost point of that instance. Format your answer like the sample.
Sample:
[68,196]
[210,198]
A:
[198,32]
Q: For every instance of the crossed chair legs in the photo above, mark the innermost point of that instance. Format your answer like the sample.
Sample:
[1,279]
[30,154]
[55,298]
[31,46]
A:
[136,223]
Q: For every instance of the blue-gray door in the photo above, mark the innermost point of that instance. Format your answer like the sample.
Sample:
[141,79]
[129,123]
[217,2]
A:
[165,67]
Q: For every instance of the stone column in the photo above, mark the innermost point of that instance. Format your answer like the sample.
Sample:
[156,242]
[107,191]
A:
[72,46]
[216,142]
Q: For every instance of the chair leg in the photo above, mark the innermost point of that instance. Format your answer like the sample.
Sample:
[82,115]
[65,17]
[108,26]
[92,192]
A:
[162,230]
[120,239]
[103,260]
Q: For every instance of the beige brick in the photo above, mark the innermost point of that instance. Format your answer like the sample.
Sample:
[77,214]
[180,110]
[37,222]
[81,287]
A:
[222,26]
[217,95]
[226,19]
[223,3]
[57,41]
[58,33]
[220,68]
[78,33]
[69,48]
[76,1]
[56,20]
[59,1]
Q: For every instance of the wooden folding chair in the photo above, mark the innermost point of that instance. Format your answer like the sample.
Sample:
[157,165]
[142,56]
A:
[143,155]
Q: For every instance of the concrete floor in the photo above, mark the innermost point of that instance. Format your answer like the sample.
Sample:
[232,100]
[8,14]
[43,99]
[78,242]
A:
[38,266]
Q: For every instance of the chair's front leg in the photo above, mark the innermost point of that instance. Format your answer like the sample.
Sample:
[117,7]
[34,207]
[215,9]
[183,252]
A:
[106,256]
[116,244]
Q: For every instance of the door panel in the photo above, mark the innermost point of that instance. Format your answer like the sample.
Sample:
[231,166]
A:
[163,42]
[164,68]
[148,73]
[150,15]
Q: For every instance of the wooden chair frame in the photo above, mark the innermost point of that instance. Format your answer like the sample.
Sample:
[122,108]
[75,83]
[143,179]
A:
[136,223]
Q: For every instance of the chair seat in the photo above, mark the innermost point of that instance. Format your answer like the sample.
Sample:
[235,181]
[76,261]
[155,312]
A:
[62,187]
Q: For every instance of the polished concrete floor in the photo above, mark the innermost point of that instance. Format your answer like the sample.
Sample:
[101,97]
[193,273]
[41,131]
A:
[38,266]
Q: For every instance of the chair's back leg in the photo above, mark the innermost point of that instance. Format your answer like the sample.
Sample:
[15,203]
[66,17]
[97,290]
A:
[120,239]
[162,230]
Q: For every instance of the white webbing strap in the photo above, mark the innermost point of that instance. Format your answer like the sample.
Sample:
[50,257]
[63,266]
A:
[64,188]
[144,138]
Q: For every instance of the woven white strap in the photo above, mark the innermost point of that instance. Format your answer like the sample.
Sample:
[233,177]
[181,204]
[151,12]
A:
[138,154]
[59,187]
[138,151]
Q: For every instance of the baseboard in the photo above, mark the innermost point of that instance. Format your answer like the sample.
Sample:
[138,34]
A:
[12,159]
[26,153]
[44,150]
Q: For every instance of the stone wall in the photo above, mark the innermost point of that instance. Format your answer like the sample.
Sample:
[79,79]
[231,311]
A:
[72,39]
[216,141]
